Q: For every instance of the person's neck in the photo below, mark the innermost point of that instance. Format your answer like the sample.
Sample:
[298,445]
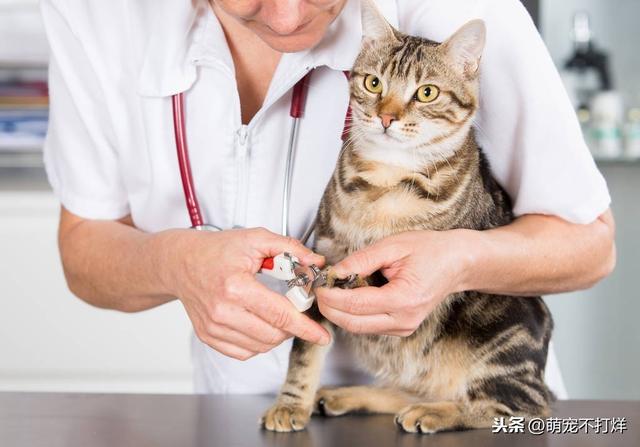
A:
[255,63]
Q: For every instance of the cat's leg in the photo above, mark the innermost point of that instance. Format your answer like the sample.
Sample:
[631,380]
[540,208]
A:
[294,405]
[432,417]
[370,399]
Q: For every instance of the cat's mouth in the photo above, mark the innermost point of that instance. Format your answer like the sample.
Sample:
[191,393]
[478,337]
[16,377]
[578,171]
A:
[389,135]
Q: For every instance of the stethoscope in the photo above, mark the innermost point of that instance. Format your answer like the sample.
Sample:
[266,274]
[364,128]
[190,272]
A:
[298,103]
[282,266]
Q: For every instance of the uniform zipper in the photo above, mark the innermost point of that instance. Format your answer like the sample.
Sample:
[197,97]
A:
[243,161]
[242,169]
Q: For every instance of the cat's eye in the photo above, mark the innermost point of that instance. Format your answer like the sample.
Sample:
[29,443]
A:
[372,84]
[427,93]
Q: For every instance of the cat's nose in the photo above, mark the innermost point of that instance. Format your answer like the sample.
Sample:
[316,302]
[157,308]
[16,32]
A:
[387,119]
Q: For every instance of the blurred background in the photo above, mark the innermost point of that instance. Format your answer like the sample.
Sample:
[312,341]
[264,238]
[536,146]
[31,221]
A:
[51,341]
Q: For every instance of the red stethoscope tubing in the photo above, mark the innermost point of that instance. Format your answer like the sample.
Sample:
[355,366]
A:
[179,129]
[298,102]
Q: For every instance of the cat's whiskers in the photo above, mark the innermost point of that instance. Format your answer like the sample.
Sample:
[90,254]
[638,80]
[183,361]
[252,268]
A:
[476,125]
[356,134]
[414,154]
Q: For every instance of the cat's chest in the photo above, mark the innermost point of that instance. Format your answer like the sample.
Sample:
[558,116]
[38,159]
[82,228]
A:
[370,202]
[392,209]
[388,201]
[368,221]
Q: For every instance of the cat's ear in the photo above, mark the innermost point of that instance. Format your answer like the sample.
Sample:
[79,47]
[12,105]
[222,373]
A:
[374,25]
[466,45]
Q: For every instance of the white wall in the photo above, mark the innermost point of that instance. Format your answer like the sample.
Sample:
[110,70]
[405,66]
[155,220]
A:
[22,37]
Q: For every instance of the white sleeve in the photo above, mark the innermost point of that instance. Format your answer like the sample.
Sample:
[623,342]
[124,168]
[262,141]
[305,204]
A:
[80,157]
[526,123]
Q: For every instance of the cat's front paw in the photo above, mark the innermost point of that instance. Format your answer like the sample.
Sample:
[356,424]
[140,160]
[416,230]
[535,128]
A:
[331,279]
[334,402]
[286,418]
[428,417]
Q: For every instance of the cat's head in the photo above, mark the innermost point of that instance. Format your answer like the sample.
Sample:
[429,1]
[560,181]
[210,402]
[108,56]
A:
[412,97]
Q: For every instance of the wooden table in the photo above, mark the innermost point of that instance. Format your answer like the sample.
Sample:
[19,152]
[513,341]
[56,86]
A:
[123,420]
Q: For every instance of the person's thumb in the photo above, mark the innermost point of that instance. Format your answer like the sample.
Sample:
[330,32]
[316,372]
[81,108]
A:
[365,261]
[277,244]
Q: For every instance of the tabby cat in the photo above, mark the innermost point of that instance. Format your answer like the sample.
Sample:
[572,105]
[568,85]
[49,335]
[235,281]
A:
[412,163]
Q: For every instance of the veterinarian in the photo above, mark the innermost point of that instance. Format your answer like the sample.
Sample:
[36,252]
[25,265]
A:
[124,232]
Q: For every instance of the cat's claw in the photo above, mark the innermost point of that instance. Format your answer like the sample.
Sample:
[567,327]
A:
[328,278]
[333,402]
[427,418]
[350,282]
[356,281]
[286,418]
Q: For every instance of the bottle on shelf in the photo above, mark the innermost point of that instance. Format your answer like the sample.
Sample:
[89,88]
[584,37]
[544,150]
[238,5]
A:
[586,72]
[587,76]
[632,134]
[605,130]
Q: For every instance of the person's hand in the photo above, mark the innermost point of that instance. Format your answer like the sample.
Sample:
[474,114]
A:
[213,275]
[423,268]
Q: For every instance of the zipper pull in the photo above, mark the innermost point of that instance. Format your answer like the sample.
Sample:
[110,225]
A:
[243,135]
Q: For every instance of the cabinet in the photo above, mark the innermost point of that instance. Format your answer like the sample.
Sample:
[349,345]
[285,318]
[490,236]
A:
[50,340]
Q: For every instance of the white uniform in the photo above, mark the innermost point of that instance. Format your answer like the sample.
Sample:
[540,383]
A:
[110,150]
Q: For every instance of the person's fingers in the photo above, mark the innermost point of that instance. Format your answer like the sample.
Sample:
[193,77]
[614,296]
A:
[315,259]
[277,311]
[254,329]
[362,324]
[369,259]
[364,300]
[271,244]
[281,314]
[234,337]
[229,349]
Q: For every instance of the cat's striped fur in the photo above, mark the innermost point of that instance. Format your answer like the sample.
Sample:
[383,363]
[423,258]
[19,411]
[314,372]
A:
[476,356]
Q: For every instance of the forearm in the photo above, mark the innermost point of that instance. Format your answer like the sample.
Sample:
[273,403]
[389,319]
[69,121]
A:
[112,265]
[538,255]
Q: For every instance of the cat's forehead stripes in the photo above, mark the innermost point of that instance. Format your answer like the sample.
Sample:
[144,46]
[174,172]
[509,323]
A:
[409,53]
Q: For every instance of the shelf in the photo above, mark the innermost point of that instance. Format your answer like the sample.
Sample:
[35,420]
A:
[17,179]
[618,161]
[23,65]
[21,158]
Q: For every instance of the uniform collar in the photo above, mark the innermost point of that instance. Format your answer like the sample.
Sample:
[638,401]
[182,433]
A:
[175,33]
[184,33]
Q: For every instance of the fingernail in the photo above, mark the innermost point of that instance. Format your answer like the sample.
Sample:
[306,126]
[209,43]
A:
[312,258]
[338,271]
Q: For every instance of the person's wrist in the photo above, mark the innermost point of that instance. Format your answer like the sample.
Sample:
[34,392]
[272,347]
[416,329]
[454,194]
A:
[469,250]
[168,252]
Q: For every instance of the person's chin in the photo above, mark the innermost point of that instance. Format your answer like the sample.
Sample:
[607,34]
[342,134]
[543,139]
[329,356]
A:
[293,42]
